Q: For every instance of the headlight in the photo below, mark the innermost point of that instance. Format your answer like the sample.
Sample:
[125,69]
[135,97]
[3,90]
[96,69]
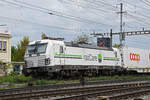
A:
[47,61]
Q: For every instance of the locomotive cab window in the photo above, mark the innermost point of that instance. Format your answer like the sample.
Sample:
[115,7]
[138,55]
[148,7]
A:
[37,48]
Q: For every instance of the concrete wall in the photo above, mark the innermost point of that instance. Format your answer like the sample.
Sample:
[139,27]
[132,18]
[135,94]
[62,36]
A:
[5,56]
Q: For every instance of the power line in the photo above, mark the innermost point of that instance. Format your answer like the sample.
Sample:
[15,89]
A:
[146,2]
[140,14]
[90,6]
[48,26]
[82,6]
[35,23]
[45,10]
[105,4]
[97,3]
[70,2]
[51,12]
[145,8]
[139,19]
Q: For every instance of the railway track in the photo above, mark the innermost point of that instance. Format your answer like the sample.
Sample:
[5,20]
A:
[58,86]
[112,94]
[45,91]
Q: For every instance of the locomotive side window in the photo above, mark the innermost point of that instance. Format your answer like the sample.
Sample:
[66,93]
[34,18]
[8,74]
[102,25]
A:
[61,49]
[115,54]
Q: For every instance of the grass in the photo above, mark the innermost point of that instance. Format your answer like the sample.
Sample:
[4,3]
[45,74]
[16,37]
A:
[116,77]
[14,78]
[44,82]
[11,85]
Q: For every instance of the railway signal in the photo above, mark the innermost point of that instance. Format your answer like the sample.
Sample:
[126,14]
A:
[130,33]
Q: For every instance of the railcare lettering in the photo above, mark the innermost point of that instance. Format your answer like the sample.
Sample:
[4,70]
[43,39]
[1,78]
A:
[89,57]
[134,57]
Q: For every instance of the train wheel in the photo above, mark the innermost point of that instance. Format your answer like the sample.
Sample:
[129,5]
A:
[24,71]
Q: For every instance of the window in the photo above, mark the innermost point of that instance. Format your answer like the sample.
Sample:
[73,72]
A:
[41,48]
[61,49]
[0,45]
[37,48]
[115,54]
[4,45]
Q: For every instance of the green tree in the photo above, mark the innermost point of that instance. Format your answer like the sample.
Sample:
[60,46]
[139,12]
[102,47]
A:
[13,53]
[19,51]
[82,39]
[116,45]
[43,36]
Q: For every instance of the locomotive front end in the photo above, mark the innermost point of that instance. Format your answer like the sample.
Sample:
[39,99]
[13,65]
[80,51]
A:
[36,57]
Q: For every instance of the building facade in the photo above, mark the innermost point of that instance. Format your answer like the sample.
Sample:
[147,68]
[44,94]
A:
[5,50]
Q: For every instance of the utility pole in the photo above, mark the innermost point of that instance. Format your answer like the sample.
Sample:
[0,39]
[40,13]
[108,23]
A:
[122,36]
[111,36]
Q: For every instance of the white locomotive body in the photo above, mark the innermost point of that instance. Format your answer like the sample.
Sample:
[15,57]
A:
[57,57]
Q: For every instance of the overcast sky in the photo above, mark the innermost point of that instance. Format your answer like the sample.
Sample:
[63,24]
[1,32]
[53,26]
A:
[70,18]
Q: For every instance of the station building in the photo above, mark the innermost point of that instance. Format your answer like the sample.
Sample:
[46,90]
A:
[5,51]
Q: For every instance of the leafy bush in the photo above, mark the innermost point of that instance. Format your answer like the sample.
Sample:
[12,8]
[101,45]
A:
[14,78]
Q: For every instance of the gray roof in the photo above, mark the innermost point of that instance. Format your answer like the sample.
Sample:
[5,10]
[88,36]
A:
[5,35]
[83,45]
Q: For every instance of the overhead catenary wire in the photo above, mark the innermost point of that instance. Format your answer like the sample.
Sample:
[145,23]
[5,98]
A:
[146,2]
[102,15]
[35,23]
[36,7]
[140,14]
[93,5]
[94,22]
[17,21]
[136,15]
[135,5]
[51,12]
[93,11]
[106,4]
[139,19]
